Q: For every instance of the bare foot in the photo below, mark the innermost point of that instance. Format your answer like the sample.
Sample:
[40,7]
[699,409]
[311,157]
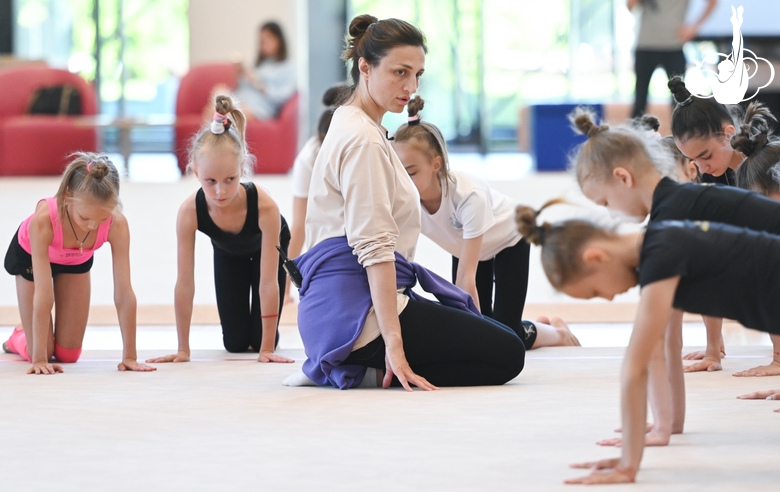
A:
[700,354]
[7,349]
[773,369]
[652,438]
[648,428]
[567,337]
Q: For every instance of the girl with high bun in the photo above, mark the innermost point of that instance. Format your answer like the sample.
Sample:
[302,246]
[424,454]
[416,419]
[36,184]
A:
[360,322]
[760,171]
[51,255]
[475,224]
[626,170]
[702,129]
[245,228]
[701,267]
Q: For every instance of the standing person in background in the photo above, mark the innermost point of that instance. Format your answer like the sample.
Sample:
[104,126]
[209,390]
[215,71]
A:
[662,33]
[301,177]
[262,91]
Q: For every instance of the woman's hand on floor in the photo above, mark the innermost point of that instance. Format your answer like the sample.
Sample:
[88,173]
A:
[772,369]
[604,471]
[272,357]
[44,368]
[396,364]
[177,357]
[133,365]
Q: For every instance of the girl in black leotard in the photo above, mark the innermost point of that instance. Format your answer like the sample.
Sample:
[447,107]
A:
[245,228]
[700,267]
[625,170]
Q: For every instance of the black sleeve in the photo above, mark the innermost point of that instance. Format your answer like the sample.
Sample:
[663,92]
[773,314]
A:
[663,253]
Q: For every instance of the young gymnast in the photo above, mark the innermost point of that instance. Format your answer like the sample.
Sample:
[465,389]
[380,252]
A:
[51,255]
[245,228]
[360,323]
[702,129]
[301,177]
[689,266]
[623,169]
[476,226]
[760,171]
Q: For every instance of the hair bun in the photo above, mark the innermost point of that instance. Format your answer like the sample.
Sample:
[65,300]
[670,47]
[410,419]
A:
[360,24]
[415,106]
[98,169]
[525,217]
[332,95]
[584,120]
[224,105]
[677,87]
[650,122]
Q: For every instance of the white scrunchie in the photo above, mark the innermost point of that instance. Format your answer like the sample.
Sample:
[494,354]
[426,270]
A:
[218,123]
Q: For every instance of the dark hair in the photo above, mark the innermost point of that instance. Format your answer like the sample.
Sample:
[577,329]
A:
[371,39]
[329,100]
[233,134]
[275,29]
[607,148]
[760,171]
[88,173]
[697,117]
[562,244]
[428,137]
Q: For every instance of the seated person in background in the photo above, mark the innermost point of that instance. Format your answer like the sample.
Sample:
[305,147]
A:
[263,90]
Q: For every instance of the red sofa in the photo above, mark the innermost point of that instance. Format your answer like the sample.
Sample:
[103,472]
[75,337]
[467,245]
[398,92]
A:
[34,145]
[274,143]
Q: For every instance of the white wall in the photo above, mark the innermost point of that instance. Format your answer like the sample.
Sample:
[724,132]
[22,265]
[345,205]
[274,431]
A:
[220,29]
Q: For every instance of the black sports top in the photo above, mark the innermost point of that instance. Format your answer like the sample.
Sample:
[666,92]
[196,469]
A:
[729,178]
[725,271]
[246,242]
[735,206]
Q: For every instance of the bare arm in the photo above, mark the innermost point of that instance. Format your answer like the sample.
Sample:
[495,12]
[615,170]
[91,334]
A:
[41,235]
[184,292]
[653,313]
[270,225]
[381,282]
[688,32]
[466,277]
[124,297]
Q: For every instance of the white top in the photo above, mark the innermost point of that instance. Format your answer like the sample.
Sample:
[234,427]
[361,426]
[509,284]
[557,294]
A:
[360,189]
[468,210]
[304,163]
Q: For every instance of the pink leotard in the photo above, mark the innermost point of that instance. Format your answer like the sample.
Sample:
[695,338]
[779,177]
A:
[58,254]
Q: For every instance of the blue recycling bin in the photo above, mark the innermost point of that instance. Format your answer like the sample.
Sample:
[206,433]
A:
[552,136]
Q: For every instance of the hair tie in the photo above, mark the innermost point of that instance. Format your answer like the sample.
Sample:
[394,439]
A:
[687,101]
[219,123]
[89,165]
[414,120]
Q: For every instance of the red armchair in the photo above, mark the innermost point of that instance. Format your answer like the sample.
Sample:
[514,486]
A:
[274,143]
[34,145]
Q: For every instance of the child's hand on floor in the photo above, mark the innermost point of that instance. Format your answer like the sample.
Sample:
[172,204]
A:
[762,395]
[177,357]
[272,357]
[707,363]
[44,368]
[772,369]
[652,438]
[133,365]
[604,471]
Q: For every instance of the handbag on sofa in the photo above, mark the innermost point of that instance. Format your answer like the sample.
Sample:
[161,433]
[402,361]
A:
[57,99]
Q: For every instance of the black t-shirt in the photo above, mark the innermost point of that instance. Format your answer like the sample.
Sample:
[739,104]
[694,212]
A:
[247,241]
[725,271]
[725,204]
[729,178]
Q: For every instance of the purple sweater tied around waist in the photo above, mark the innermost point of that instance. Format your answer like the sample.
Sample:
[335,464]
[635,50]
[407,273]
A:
[335,300]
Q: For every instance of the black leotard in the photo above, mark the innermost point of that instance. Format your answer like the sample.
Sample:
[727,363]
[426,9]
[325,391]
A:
[725,204]
[725,271]
[247,241]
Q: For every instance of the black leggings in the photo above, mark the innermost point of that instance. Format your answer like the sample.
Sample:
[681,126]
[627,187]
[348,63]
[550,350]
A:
[509,268]
[645,63]
[237,285]
[449,347]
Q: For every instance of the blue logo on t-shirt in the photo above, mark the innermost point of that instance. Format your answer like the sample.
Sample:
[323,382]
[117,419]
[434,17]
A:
[455,222]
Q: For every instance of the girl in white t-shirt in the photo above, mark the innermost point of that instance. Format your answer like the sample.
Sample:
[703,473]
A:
[476,225]
[301,177]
